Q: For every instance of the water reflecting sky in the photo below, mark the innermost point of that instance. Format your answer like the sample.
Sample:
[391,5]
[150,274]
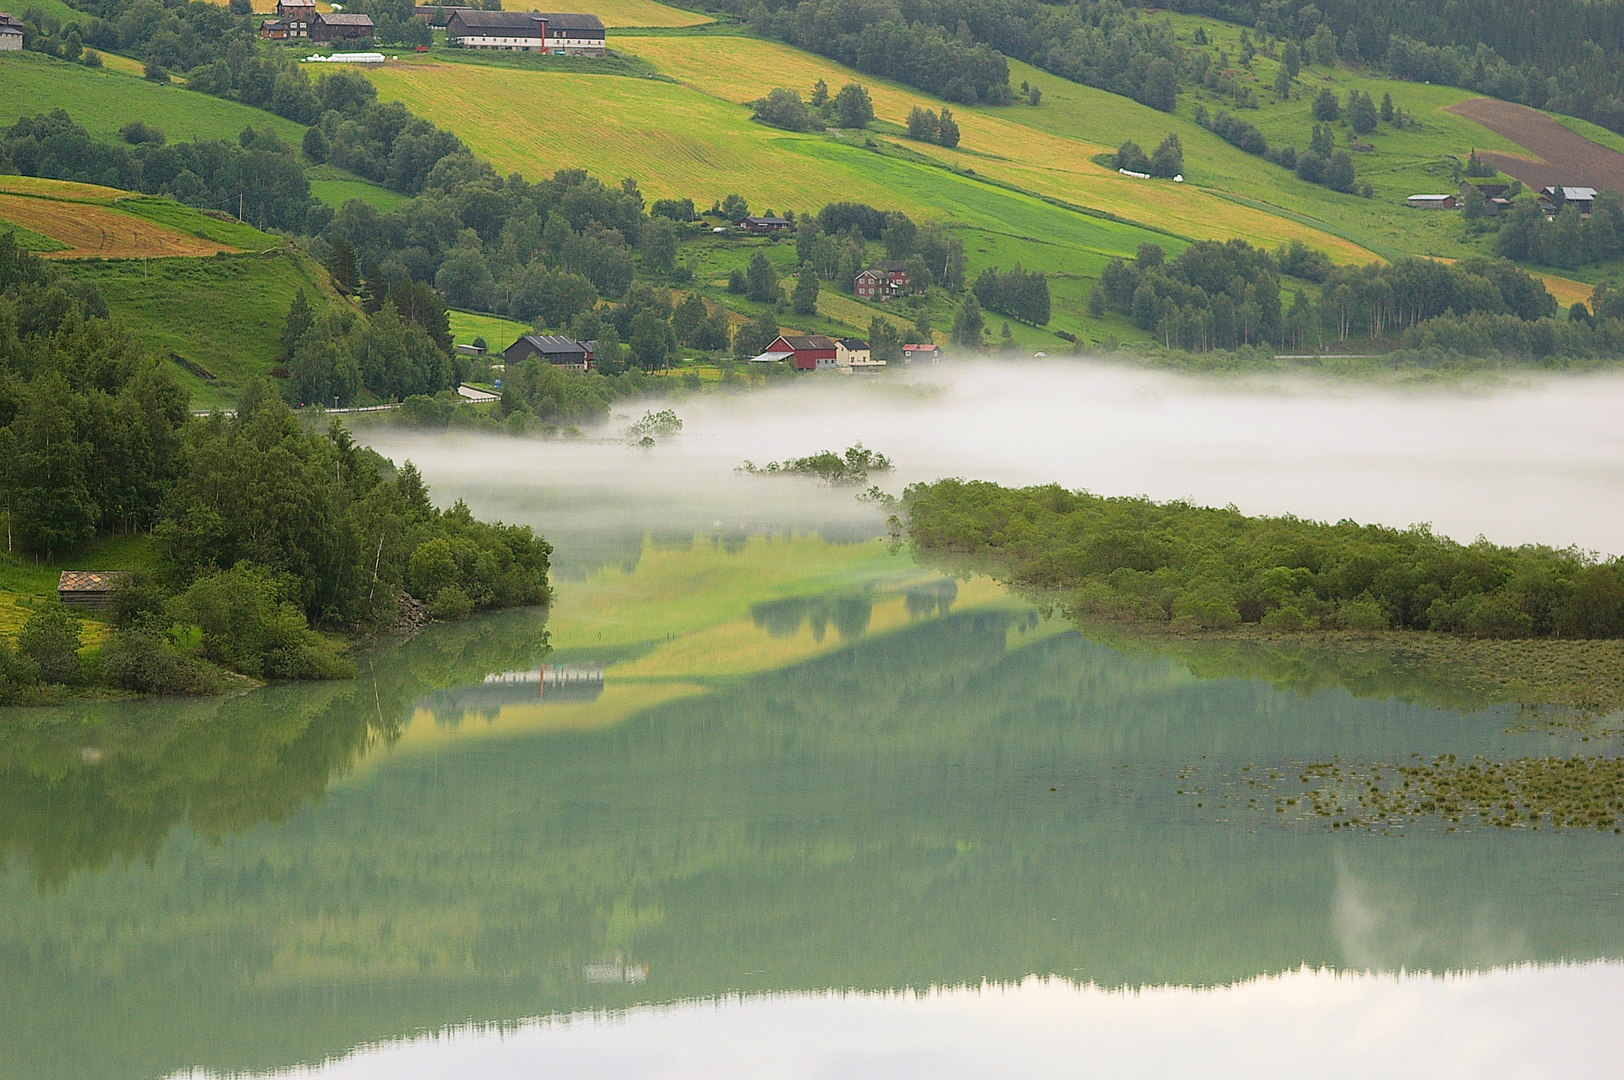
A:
[1525,1022]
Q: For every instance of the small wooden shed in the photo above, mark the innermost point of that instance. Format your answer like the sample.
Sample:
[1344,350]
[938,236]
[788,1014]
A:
[91,590]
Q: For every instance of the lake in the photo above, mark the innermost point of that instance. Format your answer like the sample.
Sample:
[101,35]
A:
[760,795]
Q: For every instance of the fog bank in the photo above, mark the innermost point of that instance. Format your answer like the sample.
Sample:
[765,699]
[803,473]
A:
[1538,461]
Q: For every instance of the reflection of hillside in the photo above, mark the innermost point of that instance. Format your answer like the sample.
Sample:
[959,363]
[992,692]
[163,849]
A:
[82,784]
[1441,670]
[961,799]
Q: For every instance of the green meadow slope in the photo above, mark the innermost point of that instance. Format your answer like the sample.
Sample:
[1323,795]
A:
[217,316]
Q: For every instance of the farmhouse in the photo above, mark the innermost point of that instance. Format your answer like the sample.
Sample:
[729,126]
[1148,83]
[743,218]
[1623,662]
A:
[558,33]
[89,589]
[1432,202]
[882,281]
[1555,197]
[805,351]
[853,355]
[340,26]
[928,354]
[763,226]
[555,349]
[296,15]
[11,32]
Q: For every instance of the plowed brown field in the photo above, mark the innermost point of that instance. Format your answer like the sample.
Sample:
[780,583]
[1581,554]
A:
[91,230]
[1563,157]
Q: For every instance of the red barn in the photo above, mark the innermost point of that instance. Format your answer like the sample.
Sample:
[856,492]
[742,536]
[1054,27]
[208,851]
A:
[808,351]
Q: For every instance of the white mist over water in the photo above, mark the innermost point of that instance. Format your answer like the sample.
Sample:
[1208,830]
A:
[1538,461]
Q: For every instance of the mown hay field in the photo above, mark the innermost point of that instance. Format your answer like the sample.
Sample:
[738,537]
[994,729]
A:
[995,142]
[91,230]
[60,189]
[624,13]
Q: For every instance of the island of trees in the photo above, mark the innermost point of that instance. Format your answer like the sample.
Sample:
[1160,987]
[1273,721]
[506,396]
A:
[1197,568]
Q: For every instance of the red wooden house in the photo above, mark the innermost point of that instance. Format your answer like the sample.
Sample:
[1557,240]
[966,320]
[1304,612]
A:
[805,351]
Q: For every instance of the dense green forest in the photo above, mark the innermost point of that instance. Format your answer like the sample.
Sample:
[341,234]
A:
[261,526]
[1202,568]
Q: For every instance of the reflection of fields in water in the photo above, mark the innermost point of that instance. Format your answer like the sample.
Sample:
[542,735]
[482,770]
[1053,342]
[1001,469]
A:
[1527,1022]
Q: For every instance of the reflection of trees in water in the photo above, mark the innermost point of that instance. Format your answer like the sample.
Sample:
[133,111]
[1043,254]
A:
[878,817]
[82,784]
[582,552]
[849,613]
[933,599]
[784,618]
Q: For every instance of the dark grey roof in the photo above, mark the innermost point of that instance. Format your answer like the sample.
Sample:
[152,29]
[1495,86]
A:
[551,345]
[800,342]
[561,20]
[498,20]
[854,344]
[337,18]
[7,19]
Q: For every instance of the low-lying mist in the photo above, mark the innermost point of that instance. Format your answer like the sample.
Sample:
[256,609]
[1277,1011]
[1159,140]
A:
[1541,460]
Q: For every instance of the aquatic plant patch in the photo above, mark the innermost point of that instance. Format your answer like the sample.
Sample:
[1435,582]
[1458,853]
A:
[1579,792]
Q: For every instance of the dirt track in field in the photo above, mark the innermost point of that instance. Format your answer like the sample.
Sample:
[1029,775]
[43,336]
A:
[1564,157]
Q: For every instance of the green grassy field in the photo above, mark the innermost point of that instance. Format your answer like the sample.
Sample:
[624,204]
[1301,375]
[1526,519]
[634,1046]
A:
[222,314]
[498,332]
[29,240]
[104,101]
[186,219]
[335,187]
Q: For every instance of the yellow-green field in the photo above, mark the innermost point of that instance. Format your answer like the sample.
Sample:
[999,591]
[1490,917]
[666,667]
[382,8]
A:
[624,13]
[705,148]
[994,143]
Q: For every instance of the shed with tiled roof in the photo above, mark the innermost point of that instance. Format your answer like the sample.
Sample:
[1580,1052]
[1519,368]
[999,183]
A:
[89,589]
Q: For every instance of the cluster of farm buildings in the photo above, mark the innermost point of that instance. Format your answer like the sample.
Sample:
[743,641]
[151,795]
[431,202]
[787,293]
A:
[558,33]
[1496,197]
[882,281]
[300,19]
[803,352]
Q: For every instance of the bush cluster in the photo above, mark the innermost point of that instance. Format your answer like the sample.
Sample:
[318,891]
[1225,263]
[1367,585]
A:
[1214,569]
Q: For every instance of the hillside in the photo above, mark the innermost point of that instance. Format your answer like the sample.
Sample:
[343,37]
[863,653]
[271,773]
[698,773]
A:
[104,101]
[996,142]
[217,319]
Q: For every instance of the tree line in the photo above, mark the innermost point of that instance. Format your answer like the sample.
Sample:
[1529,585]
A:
[888,39]
[1562,55]
[1202,568]
[1018,293]
[1227,295]
[258,175]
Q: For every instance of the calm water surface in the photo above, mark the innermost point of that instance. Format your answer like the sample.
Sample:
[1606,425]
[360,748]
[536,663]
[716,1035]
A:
[763,798]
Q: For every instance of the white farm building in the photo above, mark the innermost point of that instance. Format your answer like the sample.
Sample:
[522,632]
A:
[527,31]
